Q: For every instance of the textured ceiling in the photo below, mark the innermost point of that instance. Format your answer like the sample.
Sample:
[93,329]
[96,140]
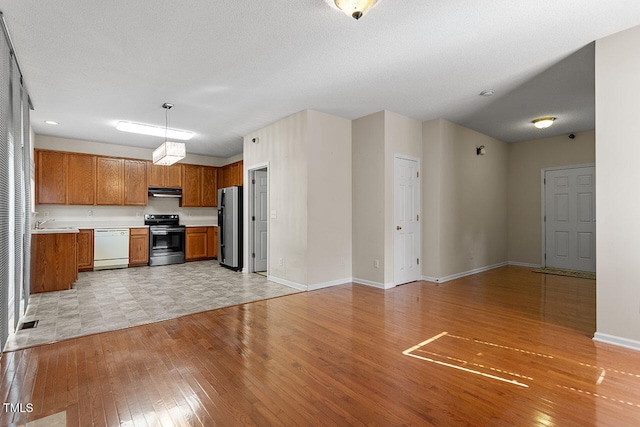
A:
[232,67]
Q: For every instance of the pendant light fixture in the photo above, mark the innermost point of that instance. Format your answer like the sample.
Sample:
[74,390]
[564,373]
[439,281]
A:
[355,8]
[169,152]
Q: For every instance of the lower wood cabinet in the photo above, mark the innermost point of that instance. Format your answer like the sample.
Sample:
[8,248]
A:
[201,243]
[54,262]
[85,250]
[138,247]
[212,241]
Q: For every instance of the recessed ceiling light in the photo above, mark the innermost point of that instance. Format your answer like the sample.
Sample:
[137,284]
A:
[183,135]
[51,122]
[543,122]
[487,92]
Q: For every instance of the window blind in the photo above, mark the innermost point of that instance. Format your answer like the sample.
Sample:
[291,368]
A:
[5,113]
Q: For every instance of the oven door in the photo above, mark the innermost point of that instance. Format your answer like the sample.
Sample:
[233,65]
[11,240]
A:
[166,245]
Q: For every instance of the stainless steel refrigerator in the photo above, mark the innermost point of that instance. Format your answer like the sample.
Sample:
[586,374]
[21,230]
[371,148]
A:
[230,227]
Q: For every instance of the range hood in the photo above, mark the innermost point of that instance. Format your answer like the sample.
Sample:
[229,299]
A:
[165,192]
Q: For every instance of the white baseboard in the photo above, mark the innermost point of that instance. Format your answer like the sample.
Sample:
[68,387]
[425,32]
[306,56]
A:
[329,284]
[373,284]
[524,264]
[463,274]
[619,341]
[288,283]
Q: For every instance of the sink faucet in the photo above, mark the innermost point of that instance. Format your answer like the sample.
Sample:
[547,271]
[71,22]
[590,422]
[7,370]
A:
[39,224]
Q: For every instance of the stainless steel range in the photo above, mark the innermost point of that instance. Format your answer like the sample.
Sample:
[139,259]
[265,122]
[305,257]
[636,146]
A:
[166,239]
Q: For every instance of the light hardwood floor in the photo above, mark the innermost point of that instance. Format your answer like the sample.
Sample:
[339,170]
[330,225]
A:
[504,347]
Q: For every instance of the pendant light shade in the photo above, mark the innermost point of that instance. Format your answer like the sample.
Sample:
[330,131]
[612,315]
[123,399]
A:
[355,8]
[169,152]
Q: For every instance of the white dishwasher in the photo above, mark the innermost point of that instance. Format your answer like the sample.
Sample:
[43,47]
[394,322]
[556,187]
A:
[110,248]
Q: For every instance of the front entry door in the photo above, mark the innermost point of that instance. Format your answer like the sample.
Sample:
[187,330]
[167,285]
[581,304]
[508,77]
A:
[570,229]
[407,216]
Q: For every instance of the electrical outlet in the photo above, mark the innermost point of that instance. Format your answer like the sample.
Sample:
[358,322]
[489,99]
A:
[376,263]
[281,261]
[90,212]
[137,214]
[45,214]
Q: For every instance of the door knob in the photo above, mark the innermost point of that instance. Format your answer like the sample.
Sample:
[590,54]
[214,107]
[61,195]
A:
[398,227]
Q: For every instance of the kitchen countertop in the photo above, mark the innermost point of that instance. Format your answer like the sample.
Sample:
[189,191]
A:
[54,230]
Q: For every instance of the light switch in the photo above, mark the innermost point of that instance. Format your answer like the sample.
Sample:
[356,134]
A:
[274,214]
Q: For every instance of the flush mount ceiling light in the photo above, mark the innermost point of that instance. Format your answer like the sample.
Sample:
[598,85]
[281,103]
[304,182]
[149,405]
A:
[355,8]
[543,122]
[182,135]
[51,122]
[169,152]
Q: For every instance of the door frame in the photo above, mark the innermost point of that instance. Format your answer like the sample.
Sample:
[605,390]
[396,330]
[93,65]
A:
[250,208]
[395,220]
[543,227]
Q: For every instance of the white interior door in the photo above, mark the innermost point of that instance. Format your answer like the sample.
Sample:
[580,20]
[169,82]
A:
[407,220]
[570,229]
[260,219]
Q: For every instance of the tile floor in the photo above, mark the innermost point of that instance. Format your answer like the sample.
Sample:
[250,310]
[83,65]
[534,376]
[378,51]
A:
[114,299]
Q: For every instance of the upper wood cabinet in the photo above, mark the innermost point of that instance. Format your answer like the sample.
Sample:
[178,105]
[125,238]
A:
[51,177]
[165,176]
[191,181]
[199,186]
[81,179]
[231,175]
[109,181]
[135,183]
[209,186]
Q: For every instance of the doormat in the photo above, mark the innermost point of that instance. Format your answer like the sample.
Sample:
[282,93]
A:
[570,273]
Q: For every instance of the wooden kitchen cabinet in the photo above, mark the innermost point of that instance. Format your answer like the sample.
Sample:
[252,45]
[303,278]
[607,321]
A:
[138,247]
[209,185]
[165,176]
[191,181]
[85,250]
[135,183]
[81,179]
[231,175]
[109,181]
[54,262]
[199,186]
[212,242]
[51,177]
[196,243]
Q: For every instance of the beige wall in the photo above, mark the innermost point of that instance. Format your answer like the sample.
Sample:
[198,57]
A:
[283,145]
[465,200]
[102,149]
[329,207]
[617,201]
[526,160]
[368,198]
[403,136]
[309,159]
[376,139]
